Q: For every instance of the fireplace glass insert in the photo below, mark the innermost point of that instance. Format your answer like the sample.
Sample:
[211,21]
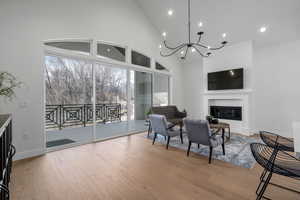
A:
[226,112]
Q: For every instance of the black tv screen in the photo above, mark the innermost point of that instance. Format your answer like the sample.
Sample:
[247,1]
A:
[226,80]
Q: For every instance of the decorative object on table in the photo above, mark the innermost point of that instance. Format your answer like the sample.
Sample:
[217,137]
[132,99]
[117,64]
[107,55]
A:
[273,157]
[212,120]
[160,126]
[209,118]
[198,131]
[172,114]
[237,149]
[274,161]
[8,84]
[201,48]
[221,126]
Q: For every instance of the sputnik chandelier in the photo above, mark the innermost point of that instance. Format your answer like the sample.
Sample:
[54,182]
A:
[203,50]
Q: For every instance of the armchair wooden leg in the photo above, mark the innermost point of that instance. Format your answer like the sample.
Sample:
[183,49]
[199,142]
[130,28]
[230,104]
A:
[155,134]
[188,151]
[181,138]
[198,146]
[210,154]
[223,145]
[168,142]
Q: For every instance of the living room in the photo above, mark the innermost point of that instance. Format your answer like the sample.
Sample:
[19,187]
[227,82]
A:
[86,86]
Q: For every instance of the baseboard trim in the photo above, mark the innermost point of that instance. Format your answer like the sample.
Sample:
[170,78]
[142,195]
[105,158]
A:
[29,154]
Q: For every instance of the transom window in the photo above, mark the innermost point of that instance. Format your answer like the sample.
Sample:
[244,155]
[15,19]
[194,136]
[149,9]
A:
[111,51]
[158,66]
[140,59]
[83,47]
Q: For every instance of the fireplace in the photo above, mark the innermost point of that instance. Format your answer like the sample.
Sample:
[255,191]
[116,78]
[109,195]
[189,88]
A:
[226,112]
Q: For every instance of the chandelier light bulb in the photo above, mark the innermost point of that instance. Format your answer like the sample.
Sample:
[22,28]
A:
[160,46]
[193,50]
[164,34]
[224,35]
[170,12]
[200,24]
[263,29]
[208,47]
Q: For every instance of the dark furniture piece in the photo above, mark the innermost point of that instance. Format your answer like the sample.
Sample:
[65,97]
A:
[172,114]
[275,161]
[7,151]
[160,126]
[275,143]
[198,131]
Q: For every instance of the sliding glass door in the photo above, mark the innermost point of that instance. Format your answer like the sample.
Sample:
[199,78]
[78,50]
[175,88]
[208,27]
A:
[161,87]
[122,100]
[69,89]
[111,101]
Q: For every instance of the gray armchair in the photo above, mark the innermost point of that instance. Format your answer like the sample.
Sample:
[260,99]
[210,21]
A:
[160,126]
[198,132]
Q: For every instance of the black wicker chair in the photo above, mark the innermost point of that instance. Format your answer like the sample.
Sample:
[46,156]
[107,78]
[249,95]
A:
[277,141]
[275,161]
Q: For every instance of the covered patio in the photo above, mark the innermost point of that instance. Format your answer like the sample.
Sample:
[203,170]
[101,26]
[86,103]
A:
[81,134]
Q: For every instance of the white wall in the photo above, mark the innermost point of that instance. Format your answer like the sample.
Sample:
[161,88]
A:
[25,24]
[277,87]
[195,73]
[272,73]
[193,86]
[235,56]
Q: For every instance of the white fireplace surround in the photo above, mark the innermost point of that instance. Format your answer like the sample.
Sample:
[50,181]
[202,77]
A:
[230,98]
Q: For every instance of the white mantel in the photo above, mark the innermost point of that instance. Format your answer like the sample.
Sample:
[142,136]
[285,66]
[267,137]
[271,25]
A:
[230,98]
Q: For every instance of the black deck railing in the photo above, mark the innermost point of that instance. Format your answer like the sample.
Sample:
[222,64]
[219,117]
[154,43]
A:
[60,116]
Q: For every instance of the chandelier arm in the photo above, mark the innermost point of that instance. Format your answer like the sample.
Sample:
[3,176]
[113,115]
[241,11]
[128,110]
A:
[172,48]
[200,52]
[173,52]
[198,42]
[217,48]
[200,45]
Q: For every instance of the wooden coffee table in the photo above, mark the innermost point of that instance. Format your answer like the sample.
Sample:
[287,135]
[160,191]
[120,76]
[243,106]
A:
[221,126]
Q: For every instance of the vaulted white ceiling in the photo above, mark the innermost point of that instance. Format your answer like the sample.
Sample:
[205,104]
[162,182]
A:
[240,19]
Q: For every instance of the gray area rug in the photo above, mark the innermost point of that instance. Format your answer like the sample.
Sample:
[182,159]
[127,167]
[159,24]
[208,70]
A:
[237,149]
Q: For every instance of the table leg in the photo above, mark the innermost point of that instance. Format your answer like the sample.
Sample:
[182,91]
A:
[223,134]
[181,137]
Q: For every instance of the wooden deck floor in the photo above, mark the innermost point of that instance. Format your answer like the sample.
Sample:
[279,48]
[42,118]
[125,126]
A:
[131,168]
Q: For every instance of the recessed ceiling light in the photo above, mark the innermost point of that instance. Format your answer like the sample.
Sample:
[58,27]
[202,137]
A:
[170,12]
[262,29]
[164,34]
[200,24]
[224,35]
[208,47]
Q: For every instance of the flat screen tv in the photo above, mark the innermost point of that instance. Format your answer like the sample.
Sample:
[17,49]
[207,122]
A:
[226,80]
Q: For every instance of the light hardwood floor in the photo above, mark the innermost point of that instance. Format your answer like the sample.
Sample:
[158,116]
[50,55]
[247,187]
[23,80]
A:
[130,168]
